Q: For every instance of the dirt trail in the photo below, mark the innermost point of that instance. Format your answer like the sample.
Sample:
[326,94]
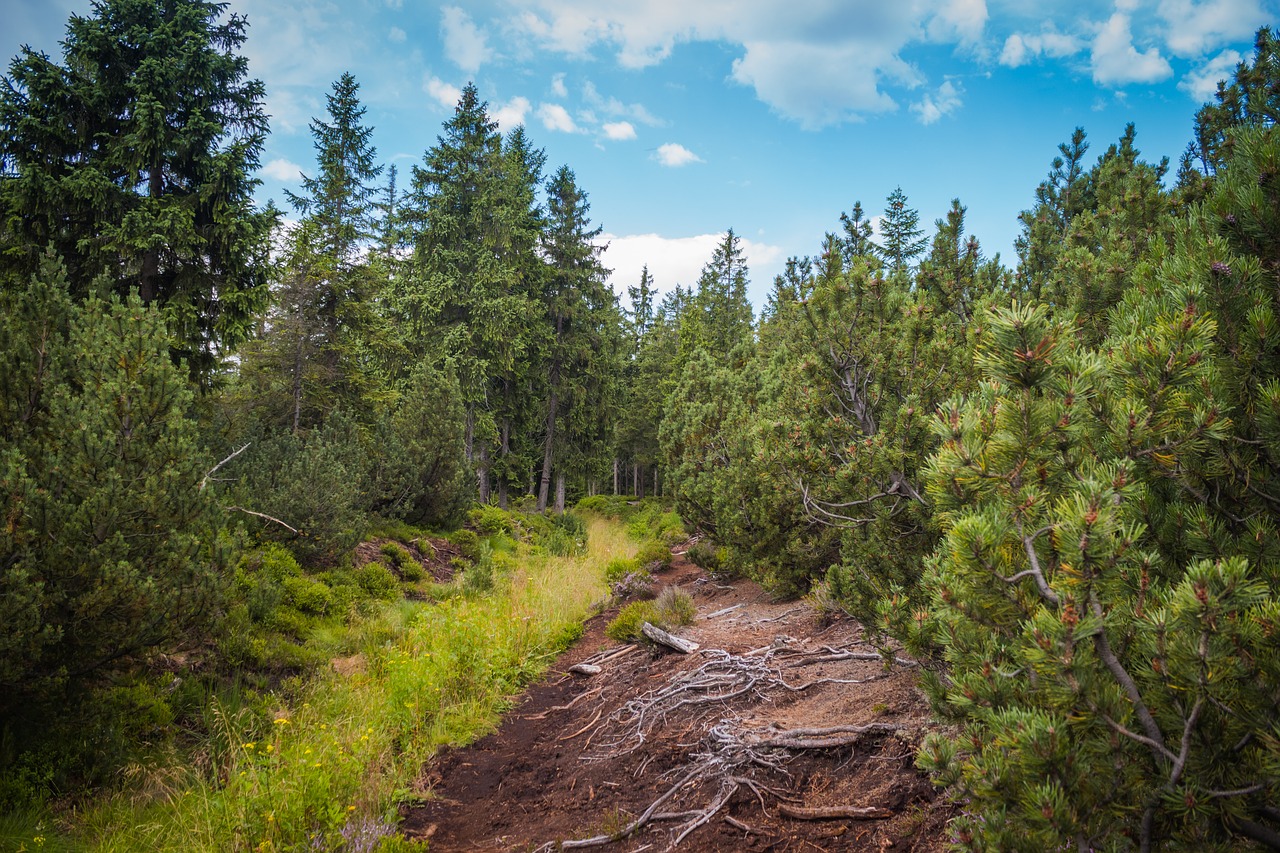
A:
[726,732]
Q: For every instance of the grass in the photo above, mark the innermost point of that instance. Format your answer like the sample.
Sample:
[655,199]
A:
[332,766]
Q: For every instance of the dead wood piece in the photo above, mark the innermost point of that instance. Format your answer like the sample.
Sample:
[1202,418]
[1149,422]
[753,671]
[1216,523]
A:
[671,641]
[544,714]
[584,728]
[722,611]
[585,669]
[835,812]
[825,738]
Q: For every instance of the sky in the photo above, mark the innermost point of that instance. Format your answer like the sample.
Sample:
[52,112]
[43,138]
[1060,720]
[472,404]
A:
[684,118]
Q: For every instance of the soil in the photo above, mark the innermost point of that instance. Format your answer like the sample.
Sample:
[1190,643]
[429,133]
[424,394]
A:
[584,756]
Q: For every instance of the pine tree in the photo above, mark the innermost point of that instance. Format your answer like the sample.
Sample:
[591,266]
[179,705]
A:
[133,159]
[110,548]
[1109,584]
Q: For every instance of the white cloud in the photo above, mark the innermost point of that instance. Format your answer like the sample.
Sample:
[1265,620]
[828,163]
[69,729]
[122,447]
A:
[1117,62]
[674,260]
[619,130]
[512,113]
[935,105]
[556,117]
[1021,48]
[465,44]
[397,35]
[1202,83]
[673,154]
[395,4]
[959,21]
[1196,28]
[282,170]
[445,94]
[557,86]
[817,63]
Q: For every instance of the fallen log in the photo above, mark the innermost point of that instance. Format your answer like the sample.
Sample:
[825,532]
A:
[585,669]
[671,641]
[834,812]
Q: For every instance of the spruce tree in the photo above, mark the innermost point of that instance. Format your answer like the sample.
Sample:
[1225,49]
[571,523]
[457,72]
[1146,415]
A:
[902,238]
[134,158]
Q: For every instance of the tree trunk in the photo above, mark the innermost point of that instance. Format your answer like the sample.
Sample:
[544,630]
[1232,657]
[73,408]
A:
[482,474]
[615,475]
[639,481]
[506,449]
[656,490]
[544,485]
[297,384]
[151,257]
[560,494]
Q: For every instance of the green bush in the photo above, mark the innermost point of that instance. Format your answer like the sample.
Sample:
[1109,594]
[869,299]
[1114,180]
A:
[676,607]
[654,556]
[467,543]
[672,609]
[309,596]
[489,519]
[618,567]
[704,555]
[377,580]
[625,627]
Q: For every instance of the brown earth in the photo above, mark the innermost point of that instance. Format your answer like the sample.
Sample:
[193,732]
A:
[718,730]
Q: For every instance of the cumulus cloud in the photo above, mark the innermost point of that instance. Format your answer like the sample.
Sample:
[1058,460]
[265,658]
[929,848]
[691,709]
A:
[282,170]
[556,117]
[935,105]
[619,130]
[816,63]
[445,94]
[1117,62]
[1021,48]
[465,44]
[674,155]
[512,113]
[558,88]
[397,35]
[674,260]
[1194,28]
[1202,83]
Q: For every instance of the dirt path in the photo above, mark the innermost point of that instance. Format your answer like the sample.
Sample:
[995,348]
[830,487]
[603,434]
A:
[579,757]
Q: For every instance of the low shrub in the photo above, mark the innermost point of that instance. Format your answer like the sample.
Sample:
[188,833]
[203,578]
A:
[704,555]
[467,543]
[618,567]
[625,627]
[377,580]
[309,596]
[637,584]
[654,556]
[672,609]
[489,519]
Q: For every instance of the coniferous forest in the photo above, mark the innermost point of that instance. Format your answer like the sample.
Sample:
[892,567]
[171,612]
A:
[1055,484]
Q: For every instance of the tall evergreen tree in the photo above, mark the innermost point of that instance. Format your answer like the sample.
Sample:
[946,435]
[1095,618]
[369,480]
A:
[902,238]
[133,159]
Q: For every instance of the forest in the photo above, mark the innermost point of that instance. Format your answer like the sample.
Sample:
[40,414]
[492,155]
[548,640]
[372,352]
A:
[1056,485]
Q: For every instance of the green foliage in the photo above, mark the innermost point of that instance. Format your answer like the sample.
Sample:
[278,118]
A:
[377,580]
[1103,594]
[111,549]
[489,519]
[704,555]
[120,162]
[672,608]
[467,543]
[654,556]
[618,567]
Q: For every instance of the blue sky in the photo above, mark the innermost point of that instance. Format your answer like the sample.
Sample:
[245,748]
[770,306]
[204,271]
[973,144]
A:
[682,118]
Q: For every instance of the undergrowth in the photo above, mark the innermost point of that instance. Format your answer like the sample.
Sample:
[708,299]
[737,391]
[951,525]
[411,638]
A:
[321,758]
